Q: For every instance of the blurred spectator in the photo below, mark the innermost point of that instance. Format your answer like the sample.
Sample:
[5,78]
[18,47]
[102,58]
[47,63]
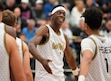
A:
[32,2]
[18,1]
[38,12]
[90,3]
[67,12]
[30,30]
[69,2]
[23,37]
[78,36]
[18,29]
[10,4]
[107,29]
[100,2]
[76,13]
[41,23]
[106,11]
[26,12]
[48,7]
[65,28]
[21,22]
[48,21]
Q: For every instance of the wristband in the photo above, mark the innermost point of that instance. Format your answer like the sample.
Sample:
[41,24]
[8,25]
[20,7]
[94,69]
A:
[81,78]
[75,72]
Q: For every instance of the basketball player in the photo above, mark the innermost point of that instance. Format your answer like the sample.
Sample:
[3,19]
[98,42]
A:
[9,55]
[51,45]
[96,50]
[10,19]
[7,28]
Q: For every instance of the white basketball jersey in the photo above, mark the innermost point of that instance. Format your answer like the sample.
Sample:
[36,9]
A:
[53,50]
[4,57]
[100,69]
[20,47]
[2,26]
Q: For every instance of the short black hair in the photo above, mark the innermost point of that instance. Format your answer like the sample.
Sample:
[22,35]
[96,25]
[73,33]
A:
[56,7]
[93,17]
[1,5]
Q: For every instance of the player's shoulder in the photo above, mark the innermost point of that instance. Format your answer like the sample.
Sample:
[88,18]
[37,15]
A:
[24,44]
[10,42]
[86,39]
[10,30]
[8,27]
[9,38]
[42,30]
[43,27]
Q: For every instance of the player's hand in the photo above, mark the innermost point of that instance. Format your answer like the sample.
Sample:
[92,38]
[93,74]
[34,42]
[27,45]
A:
[46,65]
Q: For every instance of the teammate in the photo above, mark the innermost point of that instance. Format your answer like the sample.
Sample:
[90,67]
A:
[7,28]
[9,55]
[95,50]
[10,19]
[51,45]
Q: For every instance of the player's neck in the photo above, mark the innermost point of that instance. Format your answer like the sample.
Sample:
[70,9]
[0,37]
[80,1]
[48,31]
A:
[55,28]
[94,33]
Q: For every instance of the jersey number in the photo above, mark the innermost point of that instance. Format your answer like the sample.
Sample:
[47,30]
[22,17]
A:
[106,64]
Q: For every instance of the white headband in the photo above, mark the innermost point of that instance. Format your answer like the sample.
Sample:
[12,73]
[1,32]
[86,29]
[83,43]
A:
[57,9]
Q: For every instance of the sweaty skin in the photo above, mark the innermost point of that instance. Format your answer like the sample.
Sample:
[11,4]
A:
[15,62]
[10,31]
[41,34]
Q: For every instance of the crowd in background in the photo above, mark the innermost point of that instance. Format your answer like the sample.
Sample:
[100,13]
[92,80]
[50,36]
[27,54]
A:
[32,14]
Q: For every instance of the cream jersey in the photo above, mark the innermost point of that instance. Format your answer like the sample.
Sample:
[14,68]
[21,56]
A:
[100,69]
[20,47]
[2,26]
[4,56]
[53,50]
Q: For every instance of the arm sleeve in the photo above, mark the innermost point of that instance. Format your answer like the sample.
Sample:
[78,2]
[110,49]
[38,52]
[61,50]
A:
[88,44]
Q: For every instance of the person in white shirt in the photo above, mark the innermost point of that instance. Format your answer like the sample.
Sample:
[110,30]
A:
[107,30]
[95,49]
[10,19]
[48,47]
[9,54]
[76,13]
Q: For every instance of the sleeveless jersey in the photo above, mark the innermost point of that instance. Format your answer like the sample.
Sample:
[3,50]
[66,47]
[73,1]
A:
[100,69]
[53,50]
[2,27]
[4,56]
[20,47]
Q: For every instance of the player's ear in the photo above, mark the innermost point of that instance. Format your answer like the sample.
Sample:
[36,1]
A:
[85,26]
[15,25]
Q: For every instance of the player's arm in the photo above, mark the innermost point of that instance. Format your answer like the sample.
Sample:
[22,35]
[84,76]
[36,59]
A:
[88,50]
[69,56]
[14,59]
[10,30]
[26,63]
[36,40]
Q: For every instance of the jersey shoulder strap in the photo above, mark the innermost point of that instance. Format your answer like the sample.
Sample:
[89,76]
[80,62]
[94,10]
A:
[95,48]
